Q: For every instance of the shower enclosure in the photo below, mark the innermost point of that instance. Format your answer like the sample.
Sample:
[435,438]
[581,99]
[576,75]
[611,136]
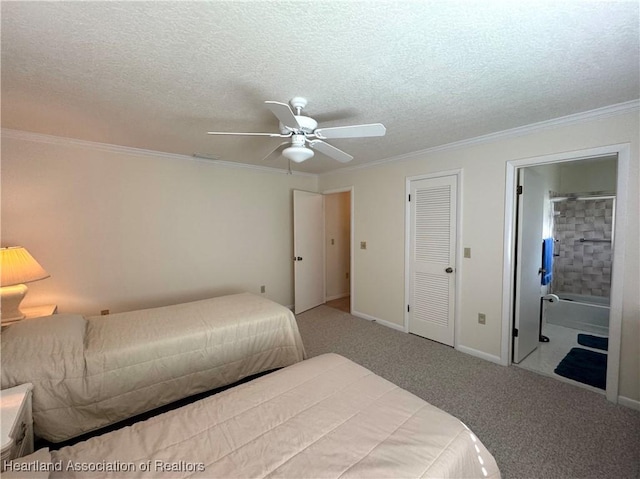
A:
[582,229]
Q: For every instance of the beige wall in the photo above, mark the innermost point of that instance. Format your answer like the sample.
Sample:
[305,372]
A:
[589,176]
[337,227]
[379,219]
[122,231]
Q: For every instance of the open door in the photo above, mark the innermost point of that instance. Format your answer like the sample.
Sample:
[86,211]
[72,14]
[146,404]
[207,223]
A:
[529,233]
[308,251]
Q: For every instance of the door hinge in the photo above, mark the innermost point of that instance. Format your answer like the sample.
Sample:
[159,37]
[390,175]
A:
[519,189]
[409,197]
[408,308]
[515,332]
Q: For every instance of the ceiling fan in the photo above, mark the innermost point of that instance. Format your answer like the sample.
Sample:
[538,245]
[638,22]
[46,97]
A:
[304,136]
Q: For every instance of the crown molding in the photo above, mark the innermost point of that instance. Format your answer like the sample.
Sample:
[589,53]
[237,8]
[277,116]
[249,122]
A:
[128,150]
[597,114]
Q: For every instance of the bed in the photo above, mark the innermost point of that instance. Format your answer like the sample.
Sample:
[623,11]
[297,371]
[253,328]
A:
[325,417]
[91,372]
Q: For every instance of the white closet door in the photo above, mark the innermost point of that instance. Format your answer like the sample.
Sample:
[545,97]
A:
[432,258]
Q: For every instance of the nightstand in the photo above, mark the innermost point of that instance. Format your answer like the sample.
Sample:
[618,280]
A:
[39,311]
[34,312]
[16,422]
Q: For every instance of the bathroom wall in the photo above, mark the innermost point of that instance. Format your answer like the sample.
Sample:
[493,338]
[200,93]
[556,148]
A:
[583,267]
[588,175]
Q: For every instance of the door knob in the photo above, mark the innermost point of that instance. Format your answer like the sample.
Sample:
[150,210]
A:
[449,270]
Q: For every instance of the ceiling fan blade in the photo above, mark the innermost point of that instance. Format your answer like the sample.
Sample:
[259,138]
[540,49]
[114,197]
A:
[330,151]
[272,135]
[353,131]
[283,112]
[278,148]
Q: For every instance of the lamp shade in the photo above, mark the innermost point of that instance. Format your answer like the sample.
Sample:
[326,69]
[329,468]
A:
[18,267]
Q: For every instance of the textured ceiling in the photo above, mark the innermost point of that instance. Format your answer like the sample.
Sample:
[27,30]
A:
[158,75]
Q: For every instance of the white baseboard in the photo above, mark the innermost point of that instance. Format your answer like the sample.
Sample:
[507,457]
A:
[337,296]
[383,322]
[479,354]
[398,327]
[628,402]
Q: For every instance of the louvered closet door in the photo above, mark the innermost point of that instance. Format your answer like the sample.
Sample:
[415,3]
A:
[432,258]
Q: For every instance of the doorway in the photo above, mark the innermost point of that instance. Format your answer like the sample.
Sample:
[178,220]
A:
[337,247]
[582,218]
[571,205]
[323,249]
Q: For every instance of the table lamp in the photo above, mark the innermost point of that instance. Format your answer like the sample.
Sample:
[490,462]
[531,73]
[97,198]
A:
[17,267]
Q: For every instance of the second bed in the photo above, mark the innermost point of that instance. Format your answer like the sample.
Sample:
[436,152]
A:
[88,373]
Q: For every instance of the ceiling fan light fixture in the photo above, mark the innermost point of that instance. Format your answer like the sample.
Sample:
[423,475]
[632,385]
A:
[297,154]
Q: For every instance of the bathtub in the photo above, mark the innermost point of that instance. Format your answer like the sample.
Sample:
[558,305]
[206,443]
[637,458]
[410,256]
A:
[579,311]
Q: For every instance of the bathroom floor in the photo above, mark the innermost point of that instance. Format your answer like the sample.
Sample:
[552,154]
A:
[547,356]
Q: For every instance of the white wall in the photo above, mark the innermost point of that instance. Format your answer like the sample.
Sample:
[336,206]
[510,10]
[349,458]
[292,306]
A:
[379,219]
[118,230]
[337,214]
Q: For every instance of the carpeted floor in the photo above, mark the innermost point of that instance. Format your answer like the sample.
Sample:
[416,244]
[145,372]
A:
[535,426]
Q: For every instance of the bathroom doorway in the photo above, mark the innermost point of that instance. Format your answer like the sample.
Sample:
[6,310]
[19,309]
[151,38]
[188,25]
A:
[572,307]
[579,305]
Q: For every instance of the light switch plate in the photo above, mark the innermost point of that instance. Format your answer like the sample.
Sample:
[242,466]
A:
[363,245]
[467,252]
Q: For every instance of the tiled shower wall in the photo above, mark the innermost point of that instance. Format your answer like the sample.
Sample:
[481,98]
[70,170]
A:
[582,267]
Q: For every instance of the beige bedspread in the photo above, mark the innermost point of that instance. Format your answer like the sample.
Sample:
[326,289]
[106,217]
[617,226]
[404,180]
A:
[325,417]
[91,372]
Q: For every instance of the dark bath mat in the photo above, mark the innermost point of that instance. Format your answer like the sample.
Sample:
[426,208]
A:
[582,365]
[593,341]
